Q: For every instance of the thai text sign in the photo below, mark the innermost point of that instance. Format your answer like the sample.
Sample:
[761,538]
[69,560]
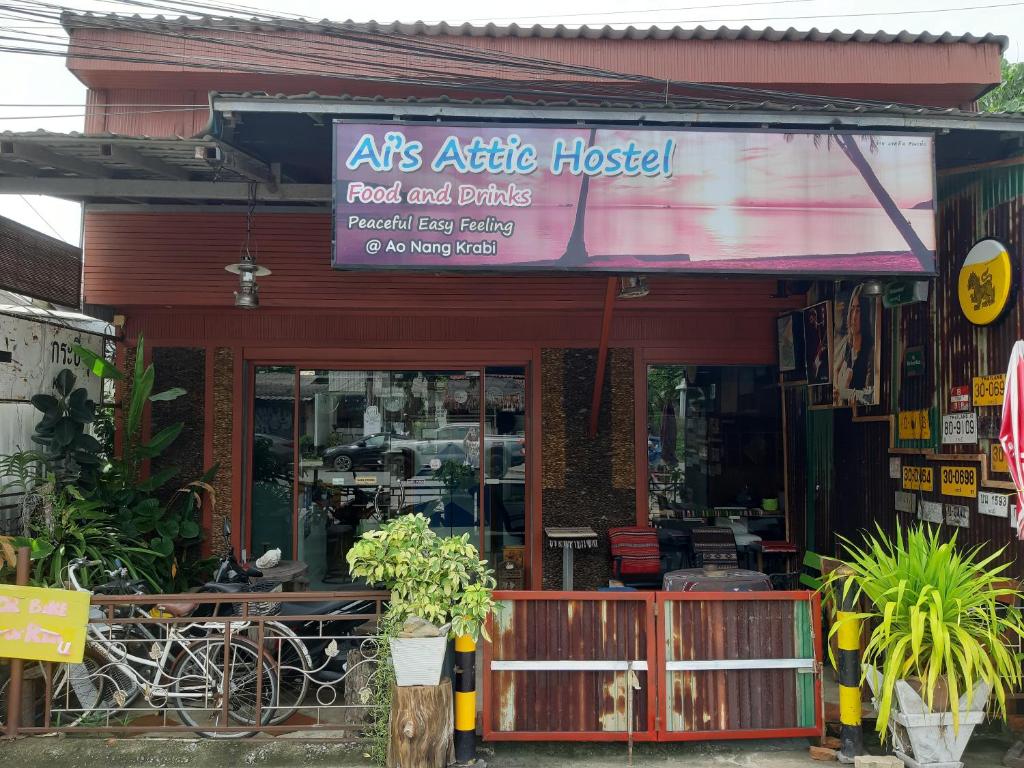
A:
[918,478]
[929,511]
[988,390]
[42,624]
[488,196]
[958,515]
[960,428]
[959,481]
[994,504]
[914,425]
[997,461]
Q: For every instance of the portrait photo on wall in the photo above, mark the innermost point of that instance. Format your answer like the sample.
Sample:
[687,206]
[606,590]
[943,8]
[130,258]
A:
[856,346]
[818,343]
[790,339]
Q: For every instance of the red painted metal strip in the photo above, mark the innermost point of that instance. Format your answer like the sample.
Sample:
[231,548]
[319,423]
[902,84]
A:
[602,354]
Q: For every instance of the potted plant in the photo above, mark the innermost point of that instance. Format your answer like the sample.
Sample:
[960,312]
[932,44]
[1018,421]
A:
[441,581]
[942,639]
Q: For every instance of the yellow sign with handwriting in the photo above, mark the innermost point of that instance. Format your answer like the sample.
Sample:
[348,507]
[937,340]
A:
[959,481]
[915,425]
[43,624]
[997,461]
[988,390]
[918,479]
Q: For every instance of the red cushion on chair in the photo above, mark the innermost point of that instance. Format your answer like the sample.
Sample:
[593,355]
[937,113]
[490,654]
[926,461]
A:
[778,547]
[638,549]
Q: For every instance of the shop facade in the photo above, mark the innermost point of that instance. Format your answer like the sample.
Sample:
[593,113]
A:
[637,380]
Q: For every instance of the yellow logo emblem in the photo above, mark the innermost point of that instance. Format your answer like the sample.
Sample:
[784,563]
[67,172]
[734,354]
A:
[985,280]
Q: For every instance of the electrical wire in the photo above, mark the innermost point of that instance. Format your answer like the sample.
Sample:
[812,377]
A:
[465,67]
[42,218]
[642,10]
[956,9]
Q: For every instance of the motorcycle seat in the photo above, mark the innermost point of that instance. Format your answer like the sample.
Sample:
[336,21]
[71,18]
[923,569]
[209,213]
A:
[320,608]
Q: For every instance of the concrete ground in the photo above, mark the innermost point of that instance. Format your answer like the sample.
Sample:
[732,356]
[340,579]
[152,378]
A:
[986,751]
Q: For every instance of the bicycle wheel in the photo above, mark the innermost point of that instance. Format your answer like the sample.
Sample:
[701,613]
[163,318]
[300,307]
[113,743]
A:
[84,691]
[198,686]
[294,666]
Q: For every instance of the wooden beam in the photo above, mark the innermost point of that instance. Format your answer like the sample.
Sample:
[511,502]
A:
[144,189]
[40,155]
[222,155]
[132,157]
[959,169]
[602,354]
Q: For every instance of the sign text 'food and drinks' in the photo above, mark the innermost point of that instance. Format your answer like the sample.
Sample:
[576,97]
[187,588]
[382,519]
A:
[492,196]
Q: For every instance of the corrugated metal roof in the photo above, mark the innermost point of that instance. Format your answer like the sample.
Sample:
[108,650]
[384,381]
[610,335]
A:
[443,29]
[40,266]
[146,157]
[845,106]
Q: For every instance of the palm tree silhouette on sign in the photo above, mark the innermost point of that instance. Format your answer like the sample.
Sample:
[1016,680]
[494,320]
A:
[848,144]
[575,254]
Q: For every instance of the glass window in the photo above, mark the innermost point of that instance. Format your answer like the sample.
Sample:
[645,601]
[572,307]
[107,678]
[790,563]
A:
[273,461]
[376,444]
[505,464]
[714,441]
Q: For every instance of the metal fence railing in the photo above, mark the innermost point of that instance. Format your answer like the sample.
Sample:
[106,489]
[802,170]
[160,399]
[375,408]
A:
[219,665]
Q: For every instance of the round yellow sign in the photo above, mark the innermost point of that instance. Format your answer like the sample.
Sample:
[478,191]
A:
[985,280]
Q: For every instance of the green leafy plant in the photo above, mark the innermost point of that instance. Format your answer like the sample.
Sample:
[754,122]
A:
[170,528]
[938,618]
[66,526]
[441,580]
[74,454]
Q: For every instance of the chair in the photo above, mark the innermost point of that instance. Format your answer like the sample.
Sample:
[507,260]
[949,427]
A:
[714,547]
[636,556]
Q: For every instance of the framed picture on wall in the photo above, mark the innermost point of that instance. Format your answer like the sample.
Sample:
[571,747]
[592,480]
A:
[790,339]
[818,343]
[856,346]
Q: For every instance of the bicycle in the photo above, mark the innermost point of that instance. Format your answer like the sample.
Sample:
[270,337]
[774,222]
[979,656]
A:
[184,667]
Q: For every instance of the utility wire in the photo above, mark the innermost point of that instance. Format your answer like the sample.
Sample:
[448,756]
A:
[642,10]
[677,22]
[41,217]
[463,64]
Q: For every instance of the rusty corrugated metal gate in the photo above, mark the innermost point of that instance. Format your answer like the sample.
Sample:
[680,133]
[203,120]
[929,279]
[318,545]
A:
[606,666]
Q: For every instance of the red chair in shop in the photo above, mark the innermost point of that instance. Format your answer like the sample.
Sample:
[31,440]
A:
[636,556]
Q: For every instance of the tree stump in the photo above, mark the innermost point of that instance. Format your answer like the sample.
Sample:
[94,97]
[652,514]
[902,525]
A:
[422,726]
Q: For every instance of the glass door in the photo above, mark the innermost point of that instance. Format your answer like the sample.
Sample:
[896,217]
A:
[339,452]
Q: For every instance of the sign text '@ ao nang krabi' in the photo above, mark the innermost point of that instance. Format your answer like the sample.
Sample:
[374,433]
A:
[43,624]
[489,196]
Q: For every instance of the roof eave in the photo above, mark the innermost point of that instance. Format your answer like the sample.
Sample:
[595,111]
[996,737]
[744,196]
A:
[831,118]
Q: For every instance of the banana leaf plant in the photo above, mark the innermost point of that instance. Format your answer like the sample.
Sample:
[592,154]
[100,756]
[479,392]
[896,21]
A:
[940,618]
[167,524]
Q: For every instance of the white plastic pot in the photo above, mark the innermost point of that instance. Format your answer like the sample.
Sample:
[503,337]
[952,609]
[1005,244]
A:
[418,660]
[923,739]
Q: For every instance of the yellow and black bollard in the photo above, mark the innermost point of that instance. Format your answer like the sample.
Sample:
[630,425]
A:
[465,700]
[851,732]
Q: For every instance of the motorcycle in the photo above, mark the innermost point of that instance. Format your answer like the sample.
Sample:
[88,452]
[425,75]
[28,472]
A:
[325,624]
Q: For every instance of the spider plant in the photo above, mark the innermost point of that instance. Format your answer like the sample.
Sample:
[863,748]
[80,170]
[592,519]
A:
[939,617]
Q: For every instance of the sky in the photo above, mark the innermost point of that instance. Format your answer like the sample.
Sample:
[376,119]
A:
[47,96]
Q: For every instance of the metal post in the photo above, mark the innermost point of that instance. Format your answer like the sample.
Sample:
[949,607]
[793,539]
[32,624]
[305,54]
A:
[567,566]
[851,733]
[465,700]
[17,665]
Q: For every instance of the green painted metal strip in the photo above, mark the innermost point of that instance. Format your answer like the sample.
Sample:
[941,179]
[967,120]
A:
[804,649]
